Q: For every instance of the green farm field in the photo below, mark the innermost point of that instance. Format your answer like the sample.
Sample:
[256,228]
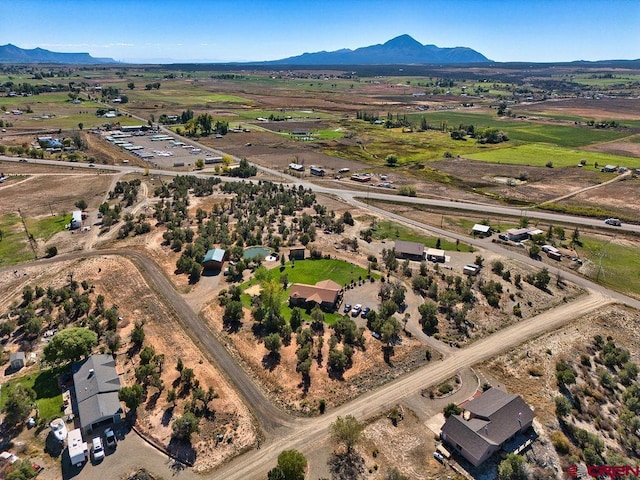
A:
[526,131]
[538,155]
[620,264]
[14,247]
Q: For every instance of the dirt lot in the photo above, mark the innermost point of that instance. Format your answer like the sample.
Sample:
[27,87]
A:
[614,196]
[542,184]
[39,194]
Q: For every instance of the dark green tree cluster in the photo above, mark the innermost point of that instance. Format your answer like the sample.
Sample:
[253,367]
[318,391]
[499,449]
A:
[492,291]
[540,279]
[185,426]
[22,470]
[149,369]
[346,337]
[292,465]
[137,226]
[19,401]
[565,373]
[513,468]
[128,190]
[70,345]
[490,135]
[244,170]
[370,117]
[255,207]
[59,307]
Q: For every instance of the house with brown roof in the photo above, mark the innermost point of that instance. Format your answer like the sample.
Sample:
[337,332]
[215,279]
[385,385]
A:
[325,293]
[487,424]
[410,250]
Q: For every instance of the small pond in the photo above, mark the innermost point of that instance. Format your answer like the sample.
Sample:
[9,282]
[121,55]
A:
[254,252]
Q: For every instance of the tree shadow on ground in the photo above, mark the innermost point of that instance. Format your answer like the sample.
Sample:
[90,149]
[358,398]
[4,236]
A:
[153,400]
[233,327]
[167,415]
[348,465]
[182,451]
[270,361]
[259,330]
[53,446]
[388,352]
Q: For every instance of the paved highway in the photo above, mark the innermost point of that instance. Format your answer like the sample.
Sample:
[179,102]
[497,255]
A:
[349,195]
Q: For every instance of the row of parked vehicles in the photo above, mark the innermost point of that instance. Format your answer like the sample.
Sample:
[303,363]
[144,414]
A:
[356,310]
[98,448]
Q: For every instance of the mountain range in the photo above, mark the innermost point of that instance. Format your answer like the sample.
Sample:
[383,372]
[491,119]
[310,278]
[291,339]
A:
[11,54]
[399,50]
[402,50]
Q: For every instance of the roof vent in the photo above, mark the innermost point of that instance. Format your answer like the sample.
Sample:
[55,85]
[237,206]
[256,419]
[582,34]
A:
[91,371]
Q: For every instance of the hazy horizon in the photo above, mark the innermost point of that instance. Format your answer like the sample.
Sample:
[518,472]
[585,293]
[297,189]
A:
[221,31]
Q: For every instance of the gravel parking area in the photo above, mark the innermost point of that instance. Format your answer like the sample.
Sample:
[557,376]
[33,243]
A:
[170,151]
[366,295]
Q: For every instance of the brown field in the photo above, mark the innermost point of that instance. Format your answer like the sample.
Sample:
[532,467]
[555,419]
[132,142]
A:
[615,196]
[542,184]
[40,194]
[603,109]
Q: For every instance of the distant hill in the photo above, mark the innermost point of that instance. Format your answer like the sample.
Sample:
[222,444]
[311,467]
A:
[11,54]
[397,51]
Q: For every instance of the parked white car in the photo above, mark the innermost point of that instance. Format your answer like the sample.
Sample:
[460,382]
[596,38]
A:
[97,448]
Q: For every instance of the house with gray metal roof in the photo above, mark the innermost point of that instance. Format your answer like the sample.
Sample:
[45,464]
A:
[96,385]
[17,360]
[214,259]
[486,424]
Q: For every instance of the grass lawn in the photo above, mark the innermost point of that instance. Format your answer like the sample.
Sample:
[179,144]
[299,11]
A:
[310,272]
[620,264]
[329,134]
[14,247]
[466,224]
[47,227]
[388,230]
[538,155]
[45,384]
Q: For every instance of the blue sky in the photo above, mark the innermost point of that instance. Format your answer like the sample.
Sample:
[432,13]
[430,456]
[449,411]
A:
[246,30]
